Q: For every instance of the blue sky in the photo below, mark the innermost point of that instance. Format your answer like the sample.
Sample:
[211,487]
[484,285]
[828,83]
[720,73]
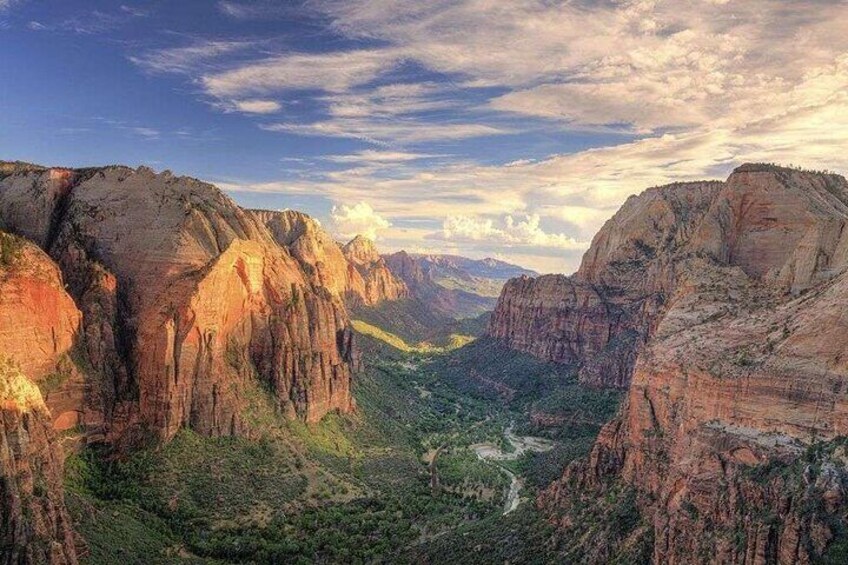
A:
[480,127]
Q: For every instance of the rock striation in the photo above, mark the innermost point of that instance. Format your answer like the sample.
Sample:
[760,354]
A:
[38,328]
[356,272]
[378,282]
[781,226]
[598,318]
[187,300]
[730,436]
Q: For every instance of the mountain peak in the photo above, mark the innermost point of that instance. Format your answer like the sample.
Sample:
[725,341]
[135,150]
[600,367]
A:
[361,249]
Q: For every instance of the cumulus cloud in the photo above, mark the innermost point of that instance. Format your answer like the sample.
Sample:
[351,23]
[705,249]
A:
[359,219]
[512,232]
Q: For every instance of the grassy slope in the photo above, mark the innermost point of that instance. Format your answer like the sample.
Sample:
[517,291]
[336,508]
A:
[450,341]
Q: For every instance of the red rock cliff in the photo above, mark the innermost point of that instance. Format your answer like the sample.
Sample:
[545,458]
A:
[730,435]
[38,325]
[599,317]
[355,272]
[780,226]
[378,282]
[184,296]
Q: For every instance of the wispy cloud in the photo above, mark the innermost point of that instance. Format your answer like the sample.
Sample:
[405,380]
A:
[371,156]
[256,9]
[387,131]
[186,59]
[257,106]
[90,23]
[334,72]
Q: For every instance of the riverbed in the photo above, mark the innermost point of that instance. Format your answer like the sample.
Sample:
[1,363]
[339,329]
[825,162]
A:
[521,445]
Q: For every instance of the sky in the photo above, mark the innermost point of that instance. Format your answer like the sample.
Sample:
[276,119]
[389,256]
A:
[486,128]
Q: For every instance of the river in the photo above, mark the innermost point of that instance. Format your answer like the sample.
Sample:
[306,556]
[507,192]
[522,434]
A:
[521,445]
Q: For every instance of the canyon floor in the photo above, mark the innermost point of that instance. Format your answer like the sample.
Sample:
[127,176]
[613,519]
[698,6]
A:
[431,465]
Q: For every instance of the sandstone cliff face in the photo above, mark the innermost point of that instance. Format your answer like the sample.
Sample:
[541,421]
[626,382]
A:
[378,281]
[355,272]
[35,526]
[184,296]
[38,328]
[780,226]
[599,317]
[730,433]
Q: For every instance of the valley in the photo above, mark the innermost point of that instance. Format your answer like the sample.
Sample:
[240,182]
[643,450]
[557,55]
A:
[421,459]
[186,380]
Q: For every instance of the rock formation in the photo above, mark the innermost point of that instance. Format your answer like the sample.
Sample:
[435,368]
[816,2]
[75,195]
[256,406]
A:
[733,293]
[781,226]
[38,329]
[184,296]
[597,318]
[378,282]
[356,272]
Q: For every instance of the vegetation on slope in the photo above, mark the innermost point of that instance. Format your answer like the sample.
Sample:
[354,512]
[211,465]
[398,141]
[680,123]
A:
[358,488]
[450,342]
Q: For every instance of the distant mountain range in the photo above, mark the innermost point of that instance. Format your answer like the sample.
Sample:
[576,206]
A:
[484,277]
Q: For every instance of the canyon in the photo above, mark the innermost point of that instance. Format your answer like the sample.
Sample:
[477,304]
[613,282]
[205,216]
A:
[136,305]
[143,312]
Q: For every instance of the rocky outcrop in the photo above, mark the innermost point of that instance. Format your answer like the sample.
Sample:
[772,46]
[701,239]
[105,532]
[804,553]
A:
[34,524]
[355,272]
[730,437]
[378,281]
[597,318]
[38,329]
[319,255]
[186,299]
[781,226]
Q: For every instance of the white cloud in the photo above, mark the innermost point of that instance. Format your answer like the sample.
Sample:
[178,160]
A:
[186,59]
[145,132]
[511,232]
[359,219]
[697,86]
[257,106]
[333,72]
[385,131]
[254,10]
[86,22]
[370,156]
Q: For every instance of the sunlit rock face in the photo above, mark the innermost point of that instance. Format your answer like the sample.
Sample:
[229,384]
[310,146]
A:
[598,318]
[185,296]
[38,328]
[379,283]
[354,272]
[780,226]
[741,368]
